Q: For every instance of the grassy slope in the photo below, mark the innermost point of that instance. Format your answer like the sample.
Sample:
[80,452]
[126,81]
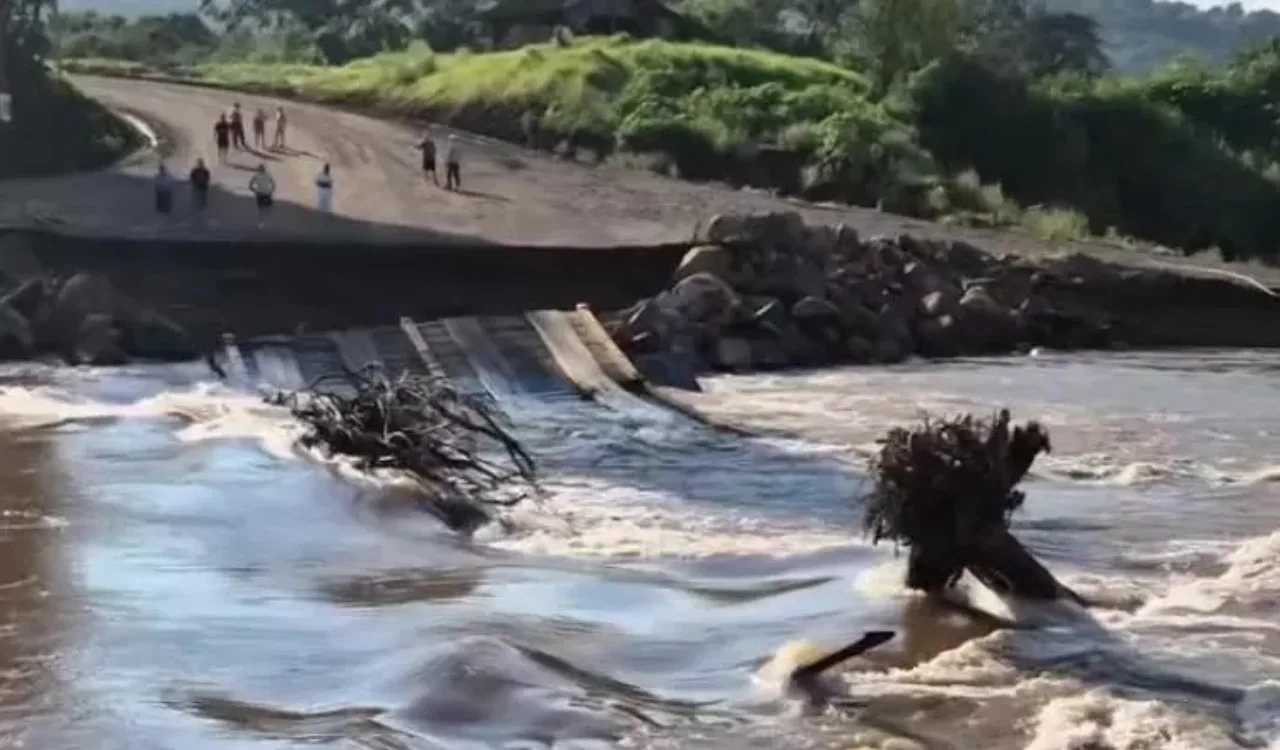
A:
[591,86]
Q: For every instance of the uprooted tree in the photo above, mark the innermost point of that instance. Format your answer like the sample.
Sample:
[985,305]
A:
[946,489]
[451,443]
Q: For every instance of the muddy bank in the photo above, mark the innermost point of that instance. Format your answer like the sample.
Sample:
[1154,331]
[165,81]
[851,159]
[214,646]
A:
[767,291]
[268,285]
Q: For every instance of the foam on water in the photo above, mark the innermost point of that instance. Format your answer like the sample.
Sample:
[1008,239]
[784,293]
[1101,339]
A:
[1250,580]
[205,411]
[623,487]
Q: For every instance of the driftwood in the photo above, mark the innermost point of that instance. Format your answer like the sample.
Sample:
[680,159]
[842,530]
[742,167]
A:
[450,442]
[946,489]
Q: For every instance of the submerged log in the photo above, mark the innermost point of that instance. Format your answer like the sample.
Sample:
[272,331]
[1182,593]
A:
[946,489]
[451,443]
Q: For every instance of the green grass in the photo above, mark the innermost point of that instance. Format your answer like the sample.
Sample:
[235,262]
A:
[687,101]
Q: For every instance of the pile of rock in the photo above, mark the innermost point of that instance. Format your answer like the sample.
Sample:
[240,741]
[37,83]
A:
[82,320]
[768,291]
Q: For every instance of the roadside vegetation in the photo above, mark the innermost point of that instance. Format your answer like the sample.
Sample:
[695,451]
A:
[51,127]
[987,113]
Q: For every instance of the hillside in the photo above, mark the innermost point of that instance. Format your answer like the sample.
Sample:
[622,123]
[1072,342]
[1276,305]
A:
[129,8]
[1141,35]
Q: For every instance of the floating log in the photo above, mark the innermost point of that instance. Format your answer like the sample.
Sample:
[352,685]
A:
[450,442]
[946,489]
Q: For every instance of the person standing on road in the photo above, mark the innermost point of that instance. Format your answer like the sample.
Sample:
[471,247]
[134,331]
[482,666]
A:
[200,179]
[324,190]
[260,129]
[428,149]
[452,164]
[278,141]
[164,190]
[237,127]
[222,137]
[263,187]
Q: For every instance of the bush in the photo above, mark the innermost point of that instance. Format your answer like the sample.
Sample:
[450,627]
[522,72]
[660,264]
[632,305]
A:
[57,129]
[1106,152]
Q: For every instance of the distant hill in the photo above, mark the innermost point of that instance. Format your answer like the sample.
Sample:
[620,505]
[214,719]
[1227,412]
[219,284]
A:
[130,7]
[1142,34]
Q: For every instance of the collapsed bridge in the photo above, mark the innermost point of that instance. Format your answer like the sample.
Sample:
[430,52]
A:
[548,355]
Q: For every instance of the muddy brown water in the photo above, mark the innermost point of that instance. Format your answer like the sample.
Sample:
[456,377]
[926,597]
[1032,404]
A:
[174,575]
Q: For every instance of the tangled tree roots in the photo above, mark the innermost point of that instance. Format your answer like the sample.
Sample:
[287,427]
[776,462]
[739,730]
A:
[450,442]
[946,489]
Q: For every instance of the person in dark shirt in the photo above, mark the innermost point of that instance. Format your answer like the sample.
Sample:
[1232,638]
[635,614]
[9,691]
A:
[428,149]
[222,137]
[237,127]
[200,178]
[260,129]
[164,190]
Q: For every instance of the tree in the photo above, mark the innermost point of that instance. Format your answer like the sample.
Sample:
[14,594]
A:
[1063,43]
[891,39]
[342,29]
[23,43]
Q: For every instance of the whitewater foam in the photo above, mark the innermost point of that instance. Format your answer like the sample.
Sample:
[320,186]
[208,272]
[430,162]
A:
[1249,582]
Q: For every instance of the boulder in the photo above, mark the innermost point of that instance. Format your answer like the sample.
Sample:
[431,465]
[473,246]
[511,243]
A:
[896,331]
[702,297]
[27,298]
[847,241]
[991,326]
[857,318]
[966,259]
[807,280]
[977,301]
[150,335]
[921,279]
[712,259]
[16,337]
[97,342]
[820,242]
[889,350]
[769,354]
[816,309]
[643,321]
[941,302]
[777,229]
[939,337]
[86,294]
[771,316]
[859,349]
[884,255]
[733,353]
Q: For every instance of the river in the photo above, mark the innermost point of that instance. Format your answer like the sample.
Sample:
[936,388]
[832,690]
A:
[175,575]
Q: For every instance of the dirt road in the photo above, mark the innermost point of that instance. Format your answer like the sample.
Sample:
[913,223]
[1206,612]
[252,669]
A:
[510,196]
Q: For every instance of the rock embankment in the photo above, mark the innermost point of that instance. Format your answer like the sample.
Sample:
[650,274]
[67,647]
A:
[79,318]
[768,291]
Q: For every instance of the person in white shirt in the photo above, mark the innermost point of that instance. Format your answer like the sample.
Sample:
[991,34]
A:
[452,164]
[277,143]
[324,190]
[263,187]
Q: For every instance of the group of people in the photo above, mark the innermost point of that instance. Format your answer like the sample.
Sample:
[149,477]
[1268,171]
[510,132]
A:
[261,184]
[452,159]
[228,131]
